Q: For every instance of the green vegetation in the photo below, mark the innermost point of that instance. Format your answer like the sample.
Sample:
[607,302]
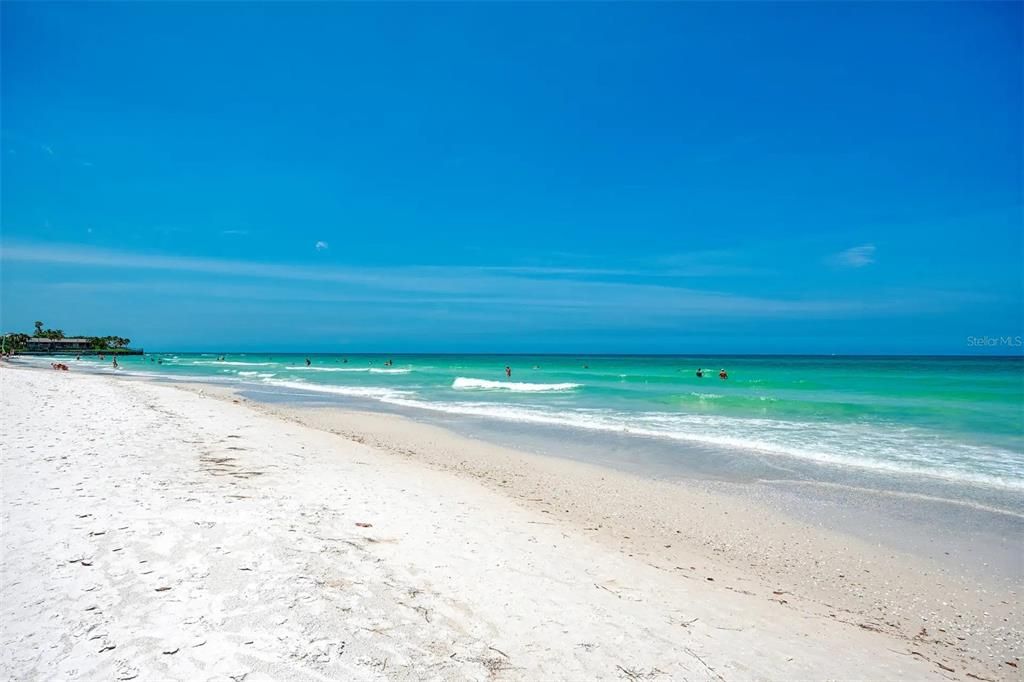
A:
[47,333]
[112,344]
[108,342]
[15,341]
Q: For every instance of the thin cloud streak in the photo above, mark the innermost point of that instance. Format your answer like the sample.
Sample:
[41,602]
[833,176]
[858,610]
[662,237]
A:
[520,290]
[856,257]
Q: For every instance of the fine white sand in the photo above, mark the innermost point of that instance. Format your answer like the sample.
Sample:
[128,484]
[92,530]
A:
[155,533]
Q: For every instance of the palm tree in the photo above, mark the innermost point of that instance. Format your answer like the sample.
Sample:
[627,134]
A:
[15,341]
[39,328]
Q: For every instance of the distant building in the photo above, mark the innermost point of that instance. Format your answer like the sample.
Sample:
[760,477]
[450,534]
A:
[40,345]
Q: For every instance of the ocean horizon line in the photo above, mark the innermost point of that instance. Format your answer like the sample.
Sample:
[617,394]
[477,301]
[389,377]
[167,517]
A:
[876,356]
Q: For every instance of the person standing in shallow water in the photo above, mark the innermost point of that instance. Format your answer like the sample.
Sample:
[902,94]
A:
[308,363]
[508,371]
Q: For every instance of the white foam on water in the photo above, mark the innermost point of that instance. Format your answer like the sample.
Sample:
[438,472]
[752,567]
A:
[303,368]
[467,384]
[217,363]
[374,392]
[376,370]
[865,448]
[261,375]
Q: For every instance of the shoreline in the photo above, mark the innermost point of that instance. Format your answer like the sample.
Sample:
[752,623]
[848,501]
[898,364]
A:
[743,539]
[740,550]
[904,516]
[749,431]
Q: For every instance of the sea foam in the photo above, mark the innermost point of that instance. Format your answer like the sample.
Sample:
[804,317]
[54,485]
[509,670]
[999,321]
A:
[302,368]
[216,363]
[465,383]
[866,449]
[374,392]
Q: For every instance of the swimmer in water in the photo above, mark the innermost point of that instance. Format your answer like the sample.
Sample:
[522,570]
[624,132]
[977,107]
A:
[308,363]
[508,371]
[722,374]
[700,372]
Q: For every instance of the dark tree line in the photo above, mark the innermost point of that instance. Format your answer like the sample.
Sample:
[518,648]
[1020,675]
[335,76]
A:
[19,340]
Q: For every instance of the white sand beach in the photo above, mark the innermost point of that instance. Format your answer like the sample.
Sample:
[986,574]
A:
[152,532]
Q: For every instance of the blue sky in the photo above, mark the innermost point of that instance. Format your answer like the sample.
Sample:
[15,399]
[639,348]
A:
[802,177]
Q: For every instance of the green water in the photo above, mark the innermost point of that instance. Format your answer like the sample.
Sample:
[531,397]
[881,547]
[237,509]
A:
[959,419]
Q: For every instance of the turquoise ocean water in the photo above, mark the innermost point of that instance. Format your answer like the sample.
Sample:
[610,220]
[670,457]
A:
[957,420]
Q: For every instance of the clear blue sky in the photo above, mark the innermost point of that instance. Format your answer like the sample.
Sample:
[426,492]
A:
[746,177]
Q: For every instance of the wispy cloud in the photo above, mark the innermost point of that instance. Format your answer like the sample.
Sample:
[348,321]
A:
[487,289]
[48,149]
[234,233]
[321,246]
[855,257]
[718,263]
